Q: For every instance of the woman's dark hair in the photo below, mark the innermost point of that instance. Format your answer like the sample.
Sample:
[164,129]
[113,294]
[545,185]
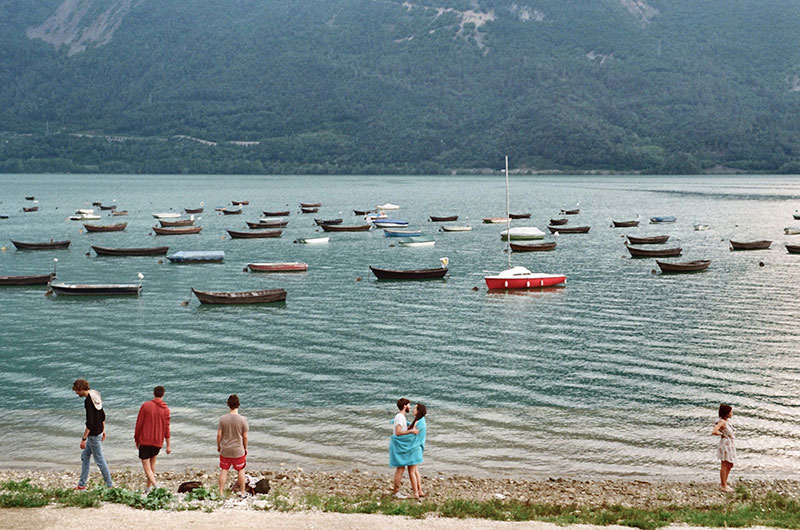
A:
[233,401]
[421,411]
[724,410]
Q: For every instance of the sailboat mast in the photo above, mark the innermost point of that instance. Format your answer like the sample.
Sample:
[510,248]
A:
[508,221]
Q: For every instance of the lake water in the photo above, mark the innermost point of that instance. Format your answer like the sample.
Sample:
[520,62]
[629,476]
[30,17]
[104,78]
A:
[619,373]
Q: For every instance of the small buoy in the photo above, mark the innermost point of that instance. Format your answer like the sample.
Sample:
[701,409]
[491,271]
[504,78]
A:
[652,271]
[160,262]
[474,288]
[244,270]
[222,237]
[185,302]
[49,292]
[3,249]
[295,241]
[358,278]
[760,263]
[88,254]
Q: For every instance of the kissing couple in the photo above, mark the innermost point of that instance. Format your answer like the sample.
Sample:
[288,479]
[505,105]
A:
[406,447]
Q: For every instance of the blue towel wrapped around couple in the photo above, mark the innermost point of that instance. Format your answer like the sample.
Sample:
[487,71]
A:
[406,450]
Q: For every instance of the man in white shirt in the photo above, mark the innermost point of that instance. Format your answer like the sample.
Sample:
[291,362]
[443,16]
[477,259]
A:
[399,428]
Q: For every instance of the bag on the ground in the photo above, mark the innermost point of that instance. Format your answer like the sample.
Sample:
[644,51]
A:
[189,486]
[253,486]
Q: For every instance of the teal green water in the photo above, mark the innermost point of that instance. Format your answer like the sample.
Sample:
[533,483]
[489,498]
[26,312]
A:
[618,373]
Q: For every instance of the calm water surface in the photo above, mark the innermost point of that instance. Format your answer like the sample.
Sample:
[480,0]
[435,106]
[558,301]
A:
[618,373]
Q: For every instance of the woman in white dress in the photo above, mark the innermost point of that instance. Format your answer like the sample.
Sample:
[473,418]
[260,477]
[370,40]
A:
[726,451]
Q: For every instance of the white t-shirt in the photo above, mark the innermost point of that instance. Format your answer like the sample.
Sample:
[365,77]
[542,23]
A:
[399,419]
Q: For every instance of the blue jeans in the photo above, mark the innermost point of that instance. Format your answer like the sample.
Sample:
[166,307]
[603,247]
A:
[94,447]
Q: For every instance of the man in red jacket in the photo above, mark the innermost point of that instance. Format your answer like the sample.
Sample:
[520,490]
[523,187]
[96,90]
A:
[152,428]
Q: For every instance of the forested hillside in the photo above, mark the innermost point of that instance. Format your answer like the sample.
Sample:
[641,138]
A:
[424,86]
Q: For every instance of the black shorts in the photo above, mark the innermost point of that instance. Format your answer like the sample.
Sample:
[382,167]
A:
[146,452]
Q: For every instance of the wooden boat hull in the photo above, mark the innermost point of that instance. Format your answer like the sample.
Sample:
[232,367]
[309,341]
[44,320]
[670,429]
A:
[295,266]
[684,266]
[144,251]
[107,208]
[345,228]
[662,253]
[31,209]
[624,224]
[443,218]
[655,240]
[39,279]
[750,245]
[240,203]
[119,227]
[193,210]
[282,213]
[321,222]
[232,212]
[266,224]
[119,213]
[793,249]
[309,210]
[519,215]
[243,297]
[497,283]
[455,228]
[172,224]
[362,212]
[256,234]
[51,245]
[416,274]
[177,231]
[532,247]
[570,212]
[310,204]
[570,230]
[96,289]
[558,222]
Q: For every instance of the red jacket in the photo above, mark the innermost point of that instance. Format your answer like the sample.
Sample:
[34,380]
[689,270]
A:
[152,424]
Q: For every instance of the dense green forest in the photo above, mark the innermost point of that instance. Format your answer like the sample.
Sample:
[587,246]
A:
[427,86]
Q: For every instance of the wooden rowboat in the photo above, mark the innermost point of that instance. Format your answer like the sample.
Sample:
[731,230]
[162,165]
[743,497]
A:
[119,213]
[48,245]
[415,274]
[346,228]
[570,230]
[310,204]
[576,211]
[243,297]
[684,266]
[117,227]
[750,245]
[362,212]
[145,251]
[655,240]
[181,222]
[177,231]
[39,279]
[112,207]
[442,218]
[120,289]
[31,209]
[309,209]
[193,210]
[661,253]
[226,211]
[558,222]
[532,247]
[294,266]
[282,213]
[30,198]
[793,249]
[257,234]
[624,224]
[265,223]
[321,222]
[240,203]
[519,215]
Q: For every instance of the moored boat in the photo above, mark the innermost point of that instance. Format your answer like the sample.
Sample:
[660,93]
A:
[310,204]
[700,227]
[346,228]
[387,206]
[319,240]
[574,211]
[255,234]
[37,279]
[263,296]
[496,220]
[46,245]
[309,209]
[240,203]
[293,266]
[117,227]
[111,207]
[416,242]
[30,198]
[653,240]
[519,215]
[280,213]
[193,210]
[84,217]
[180,222]
[762,244]
[179,231]
[793,249]
[110,289]
[197,256]
[30,209]
[119,213]
[267,223]
[791,230]
[455,228]
[662,219]
[683,266]
[412,274]
[558,222]
[661,253]
[533,247]
[569,230]
[390,223]
[163,215]
[443,218]
[796,214]
[363,212]
[395,232]
[142,251]
[624,224]
[321,222]
[226,211]
[522,278]
[522,233]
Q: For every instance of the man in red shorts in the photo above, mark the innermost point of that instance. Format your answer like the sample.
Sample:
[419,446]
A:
[232,445]
[152,428]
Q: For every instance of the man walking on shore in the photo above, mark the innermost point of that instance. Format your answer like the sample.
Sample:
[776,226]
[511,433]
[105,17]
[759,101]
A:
[93,434]
[152,428]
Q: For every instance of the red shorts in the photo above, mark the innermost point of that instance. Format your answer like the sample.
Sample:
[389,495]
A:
[237,463]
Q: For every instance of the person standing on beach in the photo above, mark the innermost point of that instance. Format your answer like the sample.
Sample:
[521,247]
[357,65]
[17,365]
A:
[152,428]
[232,445]
[726,451]
[93,434]
[417,448]
[399,428]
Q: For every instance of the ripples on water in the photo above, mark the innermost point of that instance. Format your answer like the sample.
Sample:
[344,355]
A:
[617,373]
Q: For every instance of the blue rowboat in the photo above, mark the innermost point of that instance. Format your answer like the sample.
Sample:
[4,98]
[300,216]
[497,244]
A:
[401,233]
[390,223]
[197,256]
[662,219]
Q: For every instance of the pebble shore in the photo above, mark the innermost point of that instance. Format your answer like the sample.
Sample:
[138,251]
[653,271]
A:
[294,484]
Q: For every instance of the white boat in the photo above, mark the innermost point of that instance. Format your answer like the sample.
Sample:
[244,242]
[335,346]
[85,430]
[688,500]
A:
[84,211]
[522,233]
[701,227]
[166,215]
[313,240]
[388,206]
[84,217]
[416,242]
[374,216]
[796,215]
[791,230]
[455,228]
